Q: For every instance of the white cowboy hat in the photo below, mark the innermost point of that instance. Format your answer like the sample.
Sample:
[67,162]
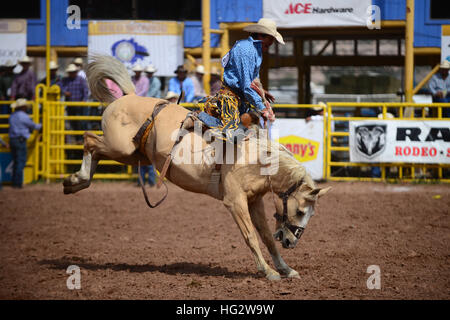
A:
[78,61]
[265,26]
[151,69]
[171,95]
[137,68]
[71,68]
[21,103]
[200,69]
[53,65]
[9,64]
[215,71]
[25,59]
[388,115]
[445,65]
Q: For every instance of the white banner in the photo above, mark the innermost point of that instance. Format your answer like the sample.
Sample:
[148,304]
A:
[315,13]
[13,40]
[445,43]
[139,42]
[304,140]
[400,141]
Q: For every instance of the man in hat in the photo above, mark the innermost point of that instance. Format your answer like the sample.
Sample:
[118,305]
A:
[172,97]
[79,63]
[440,86]
[75,88]
[241,68]
[154,84]
[197,80]
[54,78]
[140,82]
[20,127]
[6,80]
[24,83]
[182,83]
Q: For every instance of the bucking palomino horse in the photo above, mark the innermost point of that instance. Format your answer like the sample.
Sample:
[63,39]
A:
[241,184]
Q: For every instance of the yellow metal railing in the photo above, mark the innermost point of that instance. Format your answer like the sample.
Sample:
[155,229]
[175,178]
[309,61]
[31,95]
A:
[53,151]
[404,171]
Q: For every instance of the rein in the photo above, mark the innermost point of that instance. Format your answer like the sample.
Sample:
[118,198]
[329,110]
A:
[141,182]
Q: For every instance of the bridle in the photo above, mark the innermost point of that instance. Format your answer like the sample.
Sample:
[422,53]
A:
[283,219]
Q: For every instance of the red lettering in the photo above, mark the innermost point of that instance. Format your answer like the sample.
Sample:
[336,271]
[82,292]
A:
[291,8]
[311,148]
[448,152]
[424,151]
[297,6]
[303,148]
[289,147]
[407,151]
[296,149]
[416,151]
[307,8]
[433,152]
[398,151]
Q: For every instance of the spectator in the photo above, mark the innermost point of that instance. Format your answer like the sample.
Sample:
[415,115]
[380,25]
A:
[6,81]
[24,83]
[172,97]
[197,80]
[440,87]
[154,84]
[216,82]
[78,62]
[140,82]
[182,83]
[75,88]
[20,126]
[54,77]
[5,145]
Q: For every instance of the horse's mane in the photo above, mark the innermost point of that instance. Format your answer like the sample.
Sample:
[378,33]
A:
[290,169]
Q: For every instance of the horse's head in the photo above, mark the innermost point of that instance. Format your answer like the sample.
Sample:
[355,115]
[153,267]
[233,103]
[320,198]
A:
[294,210]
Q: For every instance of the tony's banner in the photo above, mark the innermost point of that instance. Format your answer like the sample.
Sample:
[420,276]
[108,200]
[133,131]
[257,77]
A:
[304,140]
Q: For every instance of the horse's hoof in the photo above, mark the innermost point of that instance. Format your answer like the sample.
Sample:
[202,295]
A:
[273,277]
[293,274]
[68,189]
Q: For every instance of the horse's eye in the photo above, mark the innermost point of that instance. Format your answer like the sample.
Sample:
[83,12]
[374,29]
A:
[300,212]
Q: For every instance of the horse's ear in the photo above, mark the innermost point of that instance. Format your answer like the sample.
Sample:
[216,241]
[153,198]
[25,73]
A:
[316,193]
[323,191]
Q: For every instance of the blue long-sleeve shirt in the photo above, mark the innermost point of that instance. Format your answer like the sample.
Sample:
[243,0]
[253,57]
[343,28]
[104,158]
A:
[241,66]
[188,88]
[154,89]
[437,83]
[20,125]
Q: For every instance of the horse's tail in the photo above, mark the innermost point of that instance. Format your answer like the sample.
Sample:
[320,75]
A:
[106,67]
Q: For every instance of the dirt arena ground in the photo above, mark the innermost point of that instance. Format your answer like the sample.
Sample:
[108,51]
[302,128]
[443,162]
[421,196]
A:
[190,247]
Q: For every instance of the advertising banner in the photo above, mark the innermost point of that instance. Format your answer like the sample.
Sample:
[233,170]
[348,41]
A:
[304,140]
[401,141]
[139,42]
[13,40]
[445,43]
[317,13]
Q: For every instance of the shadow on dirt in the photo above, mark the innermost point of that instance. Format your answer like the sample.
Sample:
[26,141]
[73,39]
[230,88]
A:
[171,269]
